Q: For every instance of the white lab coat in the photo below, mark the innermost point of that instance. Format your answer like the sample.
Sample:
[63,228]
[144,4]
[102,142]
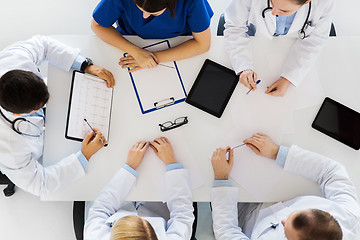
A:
[340,200]
[19,155]
[241,14]
[110,206]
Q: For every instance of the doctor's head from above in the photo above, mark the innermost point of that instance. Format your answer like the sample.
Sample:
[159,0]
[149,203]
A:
[311,224]
[156,7]
[22,92]
[286,7]
[132,227]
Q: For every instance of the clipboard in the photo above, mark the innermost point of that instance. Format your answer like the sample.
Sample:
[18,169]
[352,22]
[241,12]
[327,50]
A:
[89,99]
[158,87]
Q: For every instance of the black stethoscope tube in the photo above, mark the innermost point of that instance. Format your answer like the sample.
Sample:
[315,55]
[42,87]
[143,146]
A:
[302,31]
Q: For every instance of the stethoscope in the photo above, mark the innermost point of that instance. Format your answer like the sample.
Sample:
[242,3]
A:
[17,122]
[302,31]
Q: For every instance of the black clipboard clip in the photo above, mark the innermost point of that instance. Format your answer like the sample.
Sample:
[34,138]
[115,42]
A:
[164,103]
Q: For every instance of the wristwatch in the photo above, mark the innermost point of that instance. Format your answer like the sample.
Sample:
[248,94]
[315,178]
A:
[85,64]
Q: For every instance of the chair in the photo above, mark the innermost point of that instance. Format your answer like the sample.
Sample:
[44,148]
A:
[221,28]
[79,220]
[10,189]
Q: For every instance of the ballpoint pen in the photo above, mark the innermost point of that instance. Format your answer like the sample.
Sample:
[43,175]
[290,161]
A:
[237,146]
[89,125]
[257,82]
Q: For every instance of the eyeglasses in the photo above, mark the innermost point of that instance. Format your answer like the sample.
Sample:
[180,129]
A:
[171,125]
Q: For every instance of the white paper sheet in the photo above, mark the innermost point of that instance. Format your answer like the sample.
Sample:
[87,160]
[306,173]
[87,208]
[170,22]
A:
[91,100]
[255,174]
[159,84]
[183,156]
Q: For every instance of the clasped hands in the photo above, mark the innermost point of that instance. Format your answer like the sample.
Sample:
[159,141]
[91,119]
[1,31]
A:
[139,59]
[260,143]
[248,78]
[161,147]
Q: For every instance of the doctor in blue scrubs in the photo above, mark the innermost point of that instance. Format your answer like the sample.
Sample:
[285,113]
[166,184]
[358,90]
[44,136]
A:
[153,19]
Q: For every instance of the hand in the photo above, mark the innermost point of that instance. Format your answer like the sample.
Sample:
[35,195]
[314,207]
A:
[163,150]
[136,154]
[139,60]
[101,73]
[92,143]
[278,88]
[262,145]
[220,164]
[248,78]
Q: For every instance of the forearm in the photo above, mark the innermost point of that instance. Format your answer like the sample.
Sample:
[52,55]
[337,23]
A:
[112,36]
[187,49]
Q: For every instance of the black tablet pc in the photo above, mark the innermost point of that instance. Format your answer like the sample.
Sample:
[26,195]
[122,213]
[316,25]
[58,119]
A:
[212,88]
[339,122]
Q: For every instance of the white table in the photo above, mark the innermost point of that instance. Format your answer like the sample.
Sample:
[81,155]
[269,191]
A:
[338,68]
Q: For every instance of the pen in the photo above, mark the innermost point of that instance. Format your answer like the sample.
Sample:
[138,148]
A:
[165,65]
[89,125]
[237,146]
[257,82]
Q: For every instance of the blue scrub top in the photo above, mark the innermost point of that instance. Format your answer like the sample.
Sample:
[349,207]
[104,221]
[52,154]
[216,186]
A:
[190,16]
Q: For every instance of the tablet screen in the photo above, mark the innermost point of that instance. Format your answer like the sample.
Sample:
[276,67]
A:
[339,122]
[212,88]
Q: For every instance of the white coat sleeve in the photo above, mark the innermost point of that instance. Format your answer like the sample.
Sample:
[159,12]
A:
[107,203]
[41,48]
[180,204]
[238,45]
[28,174]
[303,53]
[329,174]
[225,214]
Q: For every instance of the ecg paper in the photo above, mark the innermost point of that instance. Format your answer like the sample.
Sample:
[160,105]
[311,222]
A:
[158,84]
[90,100]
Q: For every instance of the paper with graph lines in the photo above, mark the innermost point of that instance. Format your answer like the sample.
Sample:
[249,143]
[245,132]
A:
[90,99]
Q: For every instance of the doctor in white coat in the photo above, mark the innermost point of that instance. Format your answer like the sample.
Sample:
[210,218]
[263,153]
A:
[308,21]
[111,217]
[21,87]
[335,216]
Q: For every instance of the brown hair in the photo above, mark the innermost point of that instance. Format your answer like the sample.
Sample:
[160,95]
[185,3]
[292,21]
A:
[152,6]
[132,227]
[315,224]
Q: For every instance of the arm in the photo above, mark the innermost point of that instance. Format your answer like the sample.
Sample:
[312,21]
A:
[196,46]
[113,195]
[304,52]
[237,40]
[41,48]
[178,192]
[329,174]
[224,198]
[28,174]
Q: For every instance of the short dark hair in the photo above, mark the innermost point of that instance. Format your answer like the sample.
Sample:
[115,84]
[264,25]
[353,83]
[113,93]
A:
[315,224]
[22,91]
[300,2]
[152,6]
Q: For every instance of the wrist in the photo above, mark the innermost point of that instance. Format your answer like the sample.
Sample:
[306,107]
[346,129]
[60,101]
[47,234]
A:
[221,177]
[275,151]
[86,155]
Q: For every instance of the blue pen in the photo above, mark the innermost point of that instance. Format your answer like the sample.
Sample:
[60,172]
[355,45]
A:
[257,82]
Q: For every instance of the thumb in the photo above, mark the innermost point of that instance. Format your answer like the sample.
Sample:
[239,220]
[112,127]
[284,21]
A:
[231,157]
[88,137]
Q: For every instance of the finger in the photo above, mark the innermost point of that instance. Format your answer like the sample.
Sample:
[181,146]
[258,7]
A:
[155,143]
[135,69]
[274,92]
[251,81]
[271,88]
[145,146]
[255,78]
[252,141]
[142,145]
[88,137]
[244,81]
[155,58]
[154,148]
[231,157]
[111,78]
[254,148]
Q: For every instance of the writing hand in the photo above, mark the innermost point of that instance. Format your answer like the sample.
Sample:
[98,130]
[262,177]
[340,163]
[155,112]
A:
[278,88]
[92,143]
[248,78]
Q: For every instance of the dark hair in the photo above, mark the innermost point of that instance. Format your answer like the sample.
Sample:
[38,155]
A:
[152,6]
[315,224]
[22,91]
[299,2]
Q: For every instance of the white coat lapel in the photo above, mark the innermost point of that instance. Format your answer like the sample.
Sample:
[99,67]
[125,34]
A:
[298,22]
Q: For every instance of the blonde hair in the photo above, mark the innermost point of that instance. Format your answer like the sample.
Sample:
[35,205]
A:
[132,227]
